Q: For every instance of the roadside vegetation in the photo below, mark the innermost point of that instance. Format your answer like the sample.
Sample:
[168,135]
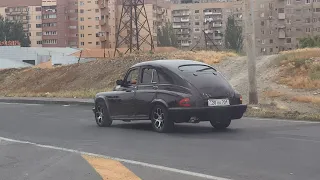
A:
[300,69]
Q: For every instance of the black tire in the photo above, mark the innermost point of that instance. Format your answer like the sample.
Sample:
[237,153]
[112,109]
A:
[221,125]
[102,115]
[160,119]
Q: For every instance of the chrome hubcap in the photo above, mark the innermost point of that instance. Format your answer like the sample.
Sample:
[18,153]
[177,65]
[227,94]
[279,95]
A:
[99,115]
[158,117]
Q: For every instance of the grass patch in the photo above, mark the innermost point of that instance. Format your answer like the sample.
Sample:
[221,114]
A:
[300,68]
[271,112]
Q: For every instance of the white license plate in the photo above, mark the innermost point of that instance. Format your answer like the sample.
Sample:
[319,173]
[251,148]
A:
[218,102]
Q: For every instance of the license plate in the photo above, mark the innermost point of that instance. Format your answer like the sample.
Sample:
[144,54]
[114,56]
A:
[218,102]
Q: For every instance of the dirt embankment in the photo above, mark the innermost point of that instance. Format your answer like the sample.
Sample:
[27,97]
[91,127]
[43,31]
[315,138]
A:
[287,83]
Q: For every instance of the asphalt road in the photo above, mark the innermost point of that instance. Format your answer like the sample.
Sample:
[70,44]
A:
[252,149]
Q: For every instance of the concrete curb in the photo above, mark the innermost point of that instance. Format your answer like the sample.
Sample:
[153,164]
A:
[36,100]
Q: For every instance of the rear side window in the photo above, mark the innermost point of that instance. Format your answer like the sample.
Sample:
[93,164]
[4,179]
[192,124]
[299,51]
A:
[196,68]
[146,76]
[164,78]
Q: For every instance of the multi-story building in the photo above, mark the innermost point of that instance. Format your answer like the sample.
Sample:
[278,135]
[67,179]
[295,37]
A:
[200,25]
[280,24]
[93,18]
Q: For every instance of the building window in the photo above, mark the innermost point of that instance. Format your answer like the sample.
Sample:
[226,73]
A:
[97,18]
[271,41]
[38,26]
[82,27]
[82,19]
[308,1]
[196,30]
[38,33]
[39,42]
[38,17]
[288,2]
[89,2]
[196,11]
[82,43]
[271,50]
[38,8]
[96,2]
[50,33]
[81,35]
[89,42]
[262,23]
[81,11]
[89,9]
[49,16]
[81,3]
[288,40]
[97,43]
[263,41]
[50,41]
[97,26]
[197,23]
[97,10]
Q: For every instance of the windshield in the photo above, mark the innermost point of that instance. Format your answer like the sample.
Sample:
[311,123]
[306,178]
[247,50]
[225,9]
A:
[196,68]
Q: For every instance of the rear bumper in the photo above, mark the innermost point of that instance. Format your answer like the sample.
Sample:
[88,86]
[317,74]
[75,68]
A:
[207,113]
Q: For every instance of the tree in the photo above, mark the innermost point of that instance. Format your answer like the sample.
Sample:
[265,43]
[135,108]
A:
[233,35]
[309,42]
[13,31]
[166,36]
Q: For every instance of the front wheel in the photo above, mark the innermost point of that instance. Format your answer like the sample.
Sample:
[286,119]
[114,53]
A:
[160,121]
[101,115]
[221,125]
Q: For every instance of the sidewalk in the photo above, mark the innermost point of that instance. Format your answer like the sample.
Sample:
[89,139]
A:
[40,100]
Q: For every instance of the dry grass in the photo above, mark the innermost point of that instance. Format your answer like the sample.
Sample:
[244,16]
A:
[209,57]
[307,99]
[86,79]
[273,112]
[273,94]
[300,68]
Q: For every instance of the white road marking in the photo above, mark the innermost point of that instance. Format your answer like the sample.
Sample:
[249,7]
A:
[199,175]
[2,103]
[299,139]
[281,120]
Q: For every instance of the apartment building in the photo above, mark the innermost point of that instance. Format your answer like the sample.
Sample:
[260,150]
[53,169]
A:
[280,24]
[158,13]
[200,25]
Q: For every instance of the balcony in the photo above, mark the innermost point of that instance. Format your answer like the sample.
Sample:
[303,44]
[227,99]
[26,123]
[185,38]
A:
[208,31]
[218,37]
[103,38]
[185,19]
[282,34]
[182,14]
[281,16]
[17,13]
[212,13]
[185,44]
[102,4]
[176,26]
[102,22]
[217,25]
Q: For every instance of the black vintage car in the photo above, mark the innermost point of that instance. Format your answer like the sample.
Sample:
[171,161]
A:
[168,92]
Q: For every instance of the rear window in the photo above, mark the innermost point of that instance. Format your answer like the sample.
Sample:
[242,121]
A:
[196,68]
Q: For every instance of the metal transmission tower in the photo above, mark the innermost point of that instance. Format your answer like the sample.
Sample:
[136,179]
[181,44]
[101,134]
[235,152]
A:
[133,28]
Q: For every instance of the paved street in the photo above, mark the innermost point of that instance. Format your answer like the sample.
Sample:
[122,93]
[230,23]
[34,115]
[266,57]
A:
[252,149]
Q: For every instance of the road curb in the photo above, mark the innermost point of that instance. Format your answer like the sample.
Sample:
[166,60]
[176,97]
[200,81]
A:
[62,101]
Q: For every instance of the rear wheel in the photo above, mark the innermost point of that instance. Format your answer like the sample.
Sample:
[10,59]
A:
[160,121]
[101,115]
[221,124]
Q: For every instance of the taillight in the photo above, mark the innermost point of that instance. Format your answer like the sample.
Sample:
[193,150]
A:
[185,102]
[240,99]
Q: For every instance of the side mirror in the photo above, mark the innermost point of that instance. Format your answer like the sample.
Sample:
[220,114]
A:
[119,82]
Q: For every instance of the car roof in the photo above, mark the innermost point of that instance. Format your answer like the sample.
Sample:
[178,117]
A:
[172,64]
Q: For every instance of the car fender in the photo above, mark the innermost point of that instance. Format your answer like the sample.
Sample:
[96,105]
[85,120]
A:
[103,99]
[159,101]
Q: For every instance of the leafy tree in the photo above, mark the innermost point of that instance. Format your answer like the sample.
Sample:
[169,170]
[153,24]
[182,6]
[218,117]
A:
[233,35]
[166,36]
[13,31]
[309,42]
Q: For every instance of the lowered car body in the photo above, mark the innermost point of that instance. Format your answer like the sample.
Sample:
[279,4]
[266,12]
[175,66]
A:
[168,92]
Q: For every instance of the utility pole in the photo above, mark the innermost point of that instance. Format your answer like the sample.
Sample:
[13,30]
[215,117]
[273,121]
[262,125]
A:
[248,8]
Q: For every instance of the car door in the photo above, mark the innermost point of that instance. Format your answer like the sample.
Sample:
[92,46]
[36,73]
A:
[122,104]
[146,91]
